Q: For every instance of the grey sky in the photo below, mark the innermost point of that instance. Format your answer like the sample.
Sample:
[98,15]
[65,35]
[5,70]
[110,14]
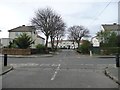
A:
[89,13]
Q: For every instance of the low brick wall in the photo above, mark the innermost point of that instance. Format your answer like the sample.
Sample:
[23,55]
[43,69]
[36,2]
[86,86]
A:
[13,51]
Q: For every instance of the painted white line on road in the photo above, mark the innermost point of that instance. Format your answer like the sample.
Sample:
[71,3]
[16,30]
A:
[58,68]
[54,65]
[44,64]
[89,64]
[24,64]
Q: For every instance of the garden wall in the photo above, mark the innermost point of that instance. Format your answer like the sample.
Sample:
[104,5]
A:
[14,51]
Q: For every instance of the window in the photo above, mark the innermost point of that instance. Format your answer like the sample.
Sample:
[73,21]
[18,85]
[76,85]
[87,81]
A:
[17,33]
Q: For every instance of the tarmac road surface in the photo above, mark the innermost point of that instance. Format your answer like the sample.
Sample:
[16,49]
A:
[65,70]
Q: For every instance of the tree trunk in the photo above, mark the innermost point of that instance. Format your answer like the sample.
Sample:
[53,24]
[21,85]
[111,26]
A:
[78,45]
[52,43]
[57,42]
[46,44]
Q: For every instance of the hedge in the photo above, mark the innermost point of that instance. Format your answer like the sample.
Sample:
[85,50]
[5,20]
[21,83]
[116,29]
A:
[110,50]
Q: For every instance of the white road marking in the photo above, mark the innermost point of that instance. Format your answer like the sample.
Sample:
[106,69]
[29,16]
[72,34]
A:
[44,64]
[54,65]
[58,68]
[16,65]
[24,64]
[89,64]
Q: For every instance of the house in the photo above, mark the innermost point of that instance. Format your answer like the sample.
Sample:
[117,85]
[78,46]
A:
[4,42]
[68,44]
[30,30]
[111,27]
[95,42]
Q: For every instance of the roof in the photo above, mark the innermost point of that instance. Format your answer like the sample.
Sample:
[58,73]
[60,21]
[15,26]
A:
[23,28]
[40,37]
[111,27]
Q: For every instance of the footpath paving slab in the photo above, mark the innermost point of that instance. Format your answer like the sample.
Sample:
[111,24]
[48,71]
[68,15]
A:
[105,56]
[6,69]
[29,56]
[113,74]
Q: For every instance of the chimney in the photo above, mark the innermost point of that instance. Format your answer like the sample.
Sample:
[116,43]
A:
[114,23]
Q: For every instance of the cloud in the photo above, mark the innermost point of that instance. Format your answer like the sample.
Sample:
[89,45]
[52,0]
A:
[74,12]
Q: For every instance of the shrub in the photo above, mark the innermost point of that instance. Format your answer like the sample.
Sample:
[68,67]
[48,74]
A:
[12,44]
[40,48]
[110,50]
[23,41]
[85,47]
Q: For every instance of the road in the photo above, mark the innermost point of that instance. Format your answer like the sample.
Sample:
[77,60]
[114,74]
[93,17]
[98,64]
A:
[65,70]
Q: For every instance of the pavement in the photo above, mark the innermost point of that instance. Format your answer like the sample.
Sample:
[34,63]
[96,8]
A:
[6,69]
[112,72]
[104,56]
[29,56]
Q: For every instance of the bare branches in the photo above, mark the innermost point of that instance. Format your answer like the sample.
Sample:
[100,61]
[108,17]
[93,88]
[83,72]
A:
[42,20]
[49,23]
[77,32]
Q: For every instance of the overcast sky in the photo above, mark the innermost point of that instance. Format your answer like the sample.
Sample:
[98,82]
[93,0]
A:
[89,13]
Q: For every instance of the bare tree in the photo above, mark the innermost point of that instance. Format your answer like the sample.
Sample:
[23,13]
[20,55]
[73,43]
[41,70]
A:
[48,22]
[59,35]
[77,33]
[58,30]
[71,38]
[43,21]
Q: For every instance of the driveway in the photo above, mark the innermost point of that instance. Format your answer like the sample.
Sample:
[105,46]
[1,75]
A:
[68,69]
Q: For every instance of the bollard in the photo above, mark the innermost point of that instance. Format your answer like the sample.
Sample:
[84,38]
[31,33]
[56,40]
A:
[90,53]
[117,60]
[5,59]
